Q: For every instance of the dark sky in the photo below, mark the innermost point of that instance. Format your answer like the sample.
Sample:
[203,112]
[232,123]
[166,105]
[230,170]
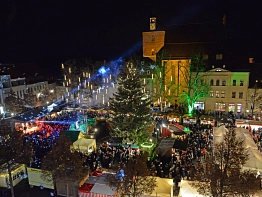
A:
[53,31]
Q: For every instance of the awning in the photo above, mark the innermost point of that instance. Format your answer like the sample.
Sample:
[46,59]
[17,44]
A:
[176,130]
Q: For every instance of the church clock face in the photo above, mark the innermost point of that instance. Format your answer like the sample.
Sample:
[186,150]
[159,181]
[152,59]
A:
[152,26]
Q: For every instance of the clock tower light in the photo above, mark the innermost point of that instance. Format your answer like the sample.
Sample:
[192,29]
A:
[153,23]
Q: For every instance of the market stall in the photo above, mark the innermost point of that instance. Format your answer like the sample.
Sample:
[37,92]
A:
[164,188]
[96,187]
[85,145]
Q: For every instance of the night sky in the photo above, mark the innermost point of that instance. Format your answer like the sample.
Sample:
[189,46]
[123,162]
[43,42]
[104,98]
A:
[53,31]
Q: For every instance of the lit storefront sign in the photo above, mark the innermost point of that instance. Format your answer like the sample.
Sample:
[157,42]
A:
[199,105]
[239,108]
[231,107]
[220,107]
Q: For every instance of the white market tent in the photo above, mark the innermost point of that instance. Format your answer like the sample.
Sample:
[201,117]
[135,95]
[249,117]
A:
[186,190]
[255,160]
[219,133]
[101,189]
[241,130]
[164,188]
[85,145]
[248,141]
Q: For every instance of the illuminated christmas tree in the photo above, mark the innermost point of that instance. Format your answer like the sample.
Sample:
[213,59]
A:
[131,121]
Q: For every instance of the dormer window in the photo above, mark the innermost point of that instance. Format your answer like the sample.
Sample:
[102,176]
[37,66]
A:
[219,56]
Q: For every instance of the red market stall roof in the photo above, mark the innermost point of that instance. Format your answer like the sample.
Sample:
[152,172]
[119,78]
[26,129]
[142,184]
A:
[85,188]
[97,173]
[97,188]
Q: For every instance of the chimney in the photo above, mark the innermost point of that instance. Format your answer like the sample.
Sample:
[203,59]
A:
[251,60]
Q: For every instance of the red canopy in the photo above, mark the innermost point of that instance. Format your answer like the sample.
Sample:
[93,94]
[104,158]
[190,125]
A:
[86,188]
[97,173]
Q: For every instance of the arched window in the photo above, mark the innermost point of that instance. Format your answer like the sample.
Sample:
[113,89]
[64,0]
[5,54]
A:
[217,82]
[211,82]
[153,38]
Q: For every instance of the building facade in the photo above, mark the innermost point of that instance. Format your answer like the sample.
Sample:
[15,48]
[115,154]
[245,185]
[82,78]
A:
[228,92]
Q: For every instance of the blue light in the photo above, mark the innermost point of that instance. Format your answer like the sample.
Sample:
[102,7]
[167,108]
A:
[102,70]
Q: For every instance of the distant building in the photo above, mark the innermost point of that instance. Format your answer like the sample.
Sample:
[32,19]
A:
[176,44]
[228,92]
[13,78]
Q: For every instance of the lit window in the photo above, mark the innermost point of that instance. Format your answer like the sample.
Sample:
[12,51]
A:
[211,94]
[233,94]
[224,83]
[217,94]
[205,57]
[241,82]
[240,95]
[234,82]
[153,51]
[223,94]
[219,56]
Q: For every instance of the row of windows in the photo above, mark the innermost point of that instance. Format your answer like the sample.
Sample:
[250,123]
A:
[221,94]
[241,82]
[40,87]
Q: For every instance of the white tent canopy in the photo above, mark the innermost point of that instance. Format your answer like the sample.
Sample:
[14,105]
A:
[186,190]
[101,187]
[219,133]
[255,160]
[85,145]
[164,188]
[248,141]
[241,130]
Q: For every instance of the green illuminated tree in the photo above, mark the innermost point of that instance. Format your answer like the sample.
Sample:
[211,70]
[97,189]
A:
[222,174]
[12,151]
[131,120]
[134,178]
[197,87]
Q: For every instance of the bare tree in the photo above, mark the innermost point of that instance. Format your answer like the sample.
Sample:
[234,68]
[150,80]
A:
[197,86]
[63,164]
[12,150]
[132,178]
[13,103]
[254,97]
[77,81]
[222,174]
